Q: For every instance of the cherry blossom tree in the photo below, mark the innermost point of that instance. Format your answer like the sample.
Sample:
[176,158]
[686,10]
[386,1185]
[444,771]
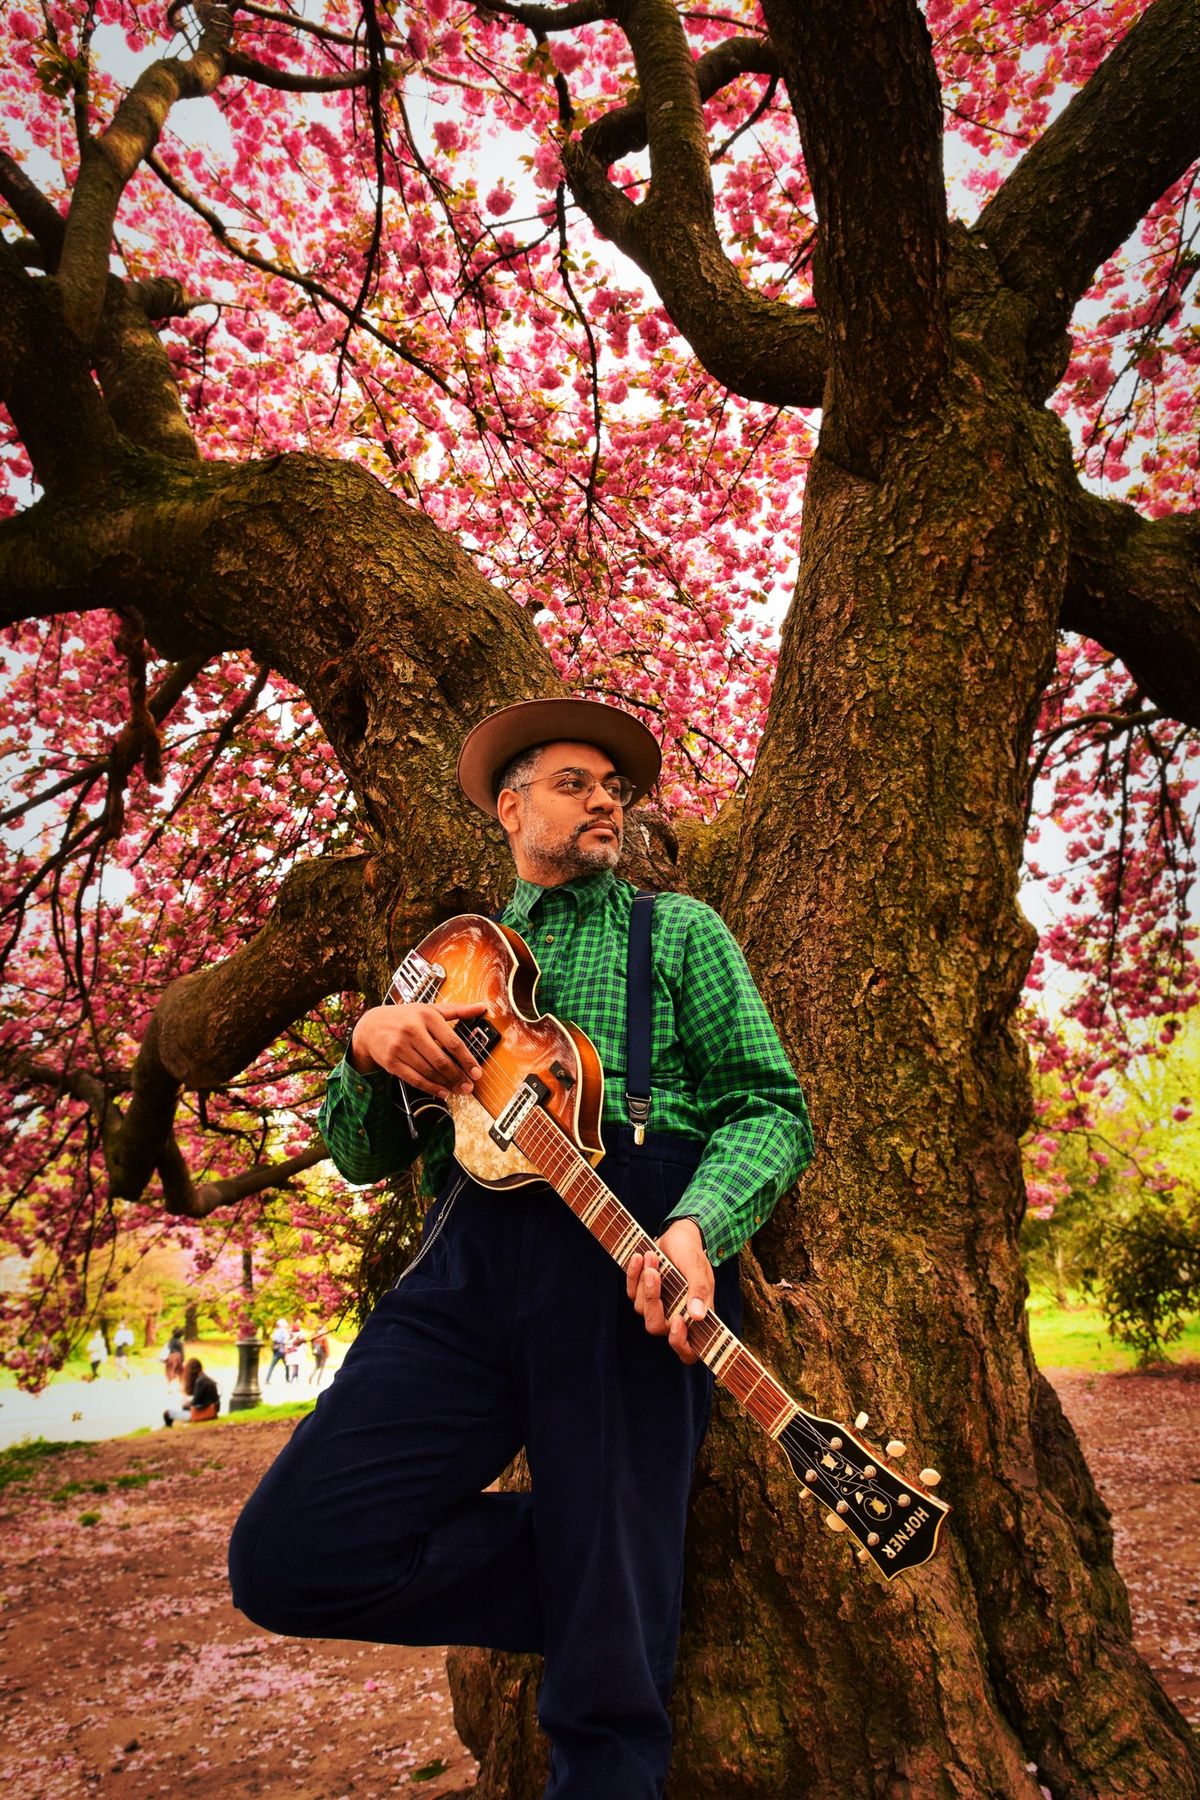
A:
[434,358]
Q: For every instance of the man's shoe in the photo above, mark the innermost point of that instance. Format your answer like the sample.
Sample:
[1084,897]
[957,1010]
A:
[167,1419]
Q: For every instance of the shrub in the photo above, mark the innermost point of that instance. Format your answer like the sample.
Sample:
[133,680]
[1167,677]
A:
[1142,1265]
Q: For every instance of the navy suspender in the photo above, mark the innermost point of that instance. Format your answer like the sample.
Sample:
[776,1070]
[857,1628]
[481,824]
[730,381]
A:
[637,1013]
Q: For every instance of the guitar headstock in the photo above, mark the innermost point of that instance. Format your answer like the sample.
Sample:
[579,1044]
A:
[895,1519]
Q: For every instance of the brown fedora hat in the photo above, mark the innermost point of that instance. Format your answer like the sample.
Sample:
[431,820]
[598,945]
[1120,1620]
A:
[496,740]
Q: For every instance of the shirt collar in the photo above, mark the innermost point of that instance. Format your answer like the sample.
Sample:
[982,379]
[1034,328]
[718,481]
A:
[586,893]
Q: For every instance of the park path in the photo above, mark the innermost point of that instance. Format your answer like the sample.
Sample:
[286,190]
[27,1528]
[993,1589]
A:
[127,1673]
[114,1405]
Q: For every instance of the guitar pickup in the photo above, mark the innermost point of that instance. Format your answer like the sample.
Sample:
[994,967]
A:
[532,1092]
[479,1035]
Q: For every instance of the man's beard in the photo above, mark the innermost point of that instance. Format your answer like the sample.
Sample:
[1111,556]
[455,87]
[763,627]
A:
[568,856]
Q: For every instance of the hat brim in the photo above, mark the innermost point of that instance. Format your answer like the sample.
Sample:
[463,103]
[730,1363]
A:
[496,740]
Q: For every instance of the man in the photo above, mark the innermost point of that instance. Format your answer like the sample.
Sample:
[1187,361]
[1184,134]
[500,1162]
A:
[511,1327]
[279,1344]
[122,1344]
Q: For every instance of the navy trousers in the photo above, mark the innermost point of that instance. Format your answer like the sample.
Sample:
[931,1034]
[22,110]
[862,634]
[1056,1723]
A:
[510,1328]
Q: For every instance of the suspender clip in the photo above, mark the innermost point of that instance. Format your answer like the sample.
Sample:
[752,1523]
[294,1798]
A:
[638,1108]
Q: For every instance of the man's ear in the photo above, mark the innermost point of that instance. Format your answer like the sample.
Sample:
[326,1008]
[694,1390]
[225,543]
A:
[509,808]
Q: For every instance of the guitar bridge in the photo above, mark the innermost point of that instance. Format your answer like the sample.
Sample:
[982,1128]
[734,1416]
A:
[532,1092]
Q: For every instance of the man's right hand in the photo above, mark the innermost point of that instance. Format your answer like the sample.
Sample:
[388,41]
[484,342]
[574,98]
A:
[419,1044]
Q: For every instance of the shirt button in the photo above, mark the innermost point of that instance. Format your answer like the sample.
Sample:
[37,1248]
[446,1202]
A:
[549,937]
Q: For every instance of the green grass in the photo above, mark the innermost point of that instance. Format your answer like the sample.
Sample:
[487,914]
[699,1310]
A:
[288,1409]
[21,1462]
[1076,1337]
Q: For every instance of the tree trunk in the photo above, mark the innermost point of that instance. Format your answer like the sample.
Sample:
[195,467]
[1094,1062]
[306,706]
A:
[876,894]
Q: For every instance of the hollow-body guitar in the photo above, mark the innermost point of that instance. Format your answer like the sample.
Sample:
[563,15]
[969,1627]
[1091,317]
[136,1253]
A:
[534,1115]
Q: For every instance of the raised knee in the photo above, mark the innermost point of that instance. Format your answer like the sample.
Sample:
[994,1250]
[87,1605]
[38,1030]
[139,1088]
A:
[262,1581]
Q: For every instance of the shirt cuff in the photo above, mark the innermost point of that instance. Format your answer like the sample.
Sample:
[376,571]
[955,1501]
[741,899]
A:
[355,1082]
[712,1216]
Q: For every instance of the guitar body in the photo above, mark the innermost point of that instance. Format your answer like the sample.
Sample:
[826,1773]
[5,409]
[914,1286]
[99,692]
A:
[534,1115]
[481,960]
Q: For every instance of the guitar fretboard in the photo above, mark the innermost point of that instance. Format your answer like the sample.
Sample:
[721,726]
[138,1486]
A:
[549,1149]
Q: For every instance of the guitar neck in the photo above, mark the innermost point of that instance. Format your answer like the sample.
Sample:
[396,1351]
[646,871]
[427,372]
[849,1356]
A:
[547,1146]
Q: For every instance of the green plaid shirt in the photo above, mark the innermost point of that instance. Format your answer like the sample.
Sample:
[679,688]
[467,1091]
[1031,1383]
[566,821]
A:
[719,1073]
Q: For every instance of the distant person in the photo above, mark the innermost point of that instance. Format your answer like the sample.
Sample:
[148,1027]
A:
[279,1344]
[295,1350]
[202,1396]
[97,1352]
[122,1344]
[320,1355]
[173,1356]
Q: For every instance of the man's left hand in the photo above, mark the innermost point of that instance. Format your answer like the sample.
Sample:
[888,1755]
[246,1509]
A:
[683,1243]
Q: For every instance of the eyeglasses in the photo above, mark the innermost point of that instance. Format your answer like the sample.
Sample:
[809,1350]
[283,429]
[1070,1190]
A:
[577,784]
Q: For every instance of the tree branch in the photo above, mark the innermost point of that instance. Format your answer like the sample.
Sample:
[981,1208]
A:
[1133,584]
[136,376]
[250,69]
[762,349]
[46,383]
[31,208]
[865,91]
[184,1199]
[211,1025]
[624,131]
[552,18]
[1075,197]
[188,1201]
[108,162]
[161,297]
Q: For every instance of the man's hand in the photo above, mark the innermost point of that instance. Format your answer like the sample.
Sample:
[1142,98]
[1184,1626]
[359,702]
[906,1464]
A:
[683,1243]
[419,1044]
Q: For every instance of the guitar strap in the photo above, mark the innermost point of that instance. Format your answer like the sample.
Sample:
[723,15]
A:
[638,1014]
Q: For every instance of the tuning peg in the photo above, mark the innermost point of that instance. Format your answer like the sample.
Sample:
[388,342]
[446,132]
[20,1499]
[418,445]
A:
[895,1447]
[861,1421]
[930,1477]
[833,1522]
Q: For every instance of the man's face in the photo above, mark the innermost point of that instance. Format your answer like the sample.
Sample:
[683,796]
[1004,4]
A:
[557,835]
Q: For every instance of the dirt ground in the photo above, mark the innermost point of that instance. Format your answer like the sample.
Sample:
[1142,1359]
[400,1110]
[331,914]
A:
[127,1673]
